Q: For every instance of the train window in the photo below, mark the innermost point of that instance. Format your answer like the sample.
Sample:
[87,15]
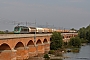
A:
[16,28]
[25,30]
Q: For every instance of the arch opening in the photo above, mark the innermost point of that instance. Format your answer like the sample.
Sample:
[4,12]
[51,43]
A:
[45,41]
[50,39]
[19,45]
[30,43]
[4,47]
[39,42]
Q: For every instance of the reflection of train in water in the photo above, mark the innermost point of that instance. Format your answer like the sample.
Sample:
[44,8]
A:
[24,29]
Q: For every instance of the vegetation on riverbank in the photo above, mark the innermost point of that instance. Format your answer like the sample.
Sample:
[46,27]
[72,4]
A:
[75,42]
[56,41]
[73,45]
[58,47]
[84,34]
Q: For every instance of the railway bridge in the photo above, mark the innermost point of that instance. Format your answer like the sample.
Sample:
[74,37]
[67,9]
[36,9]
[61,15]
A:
[23,46]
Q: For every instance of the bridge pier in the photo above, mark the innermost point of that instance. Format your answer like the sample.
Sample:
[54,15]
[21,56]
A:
[13,55]
[32,50]
[47,47]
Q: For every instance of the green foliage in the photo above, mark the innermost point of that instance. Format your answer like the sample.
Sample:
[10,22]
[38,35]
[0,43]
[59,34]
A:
[51,51]
[73,29]
[84,33]
[1,32]
[65,45]
[56,41]
[83,40]
[75,42]
[88,35]
[75,50]
[6,32]
[46,56]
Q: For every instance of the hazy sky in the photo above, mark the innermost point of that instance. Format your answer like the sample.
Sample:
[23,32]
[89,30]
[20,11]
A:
[60,13]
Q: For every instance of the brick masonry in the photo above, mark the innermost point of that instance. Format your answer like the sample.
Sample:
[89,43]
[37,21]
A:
[24,47]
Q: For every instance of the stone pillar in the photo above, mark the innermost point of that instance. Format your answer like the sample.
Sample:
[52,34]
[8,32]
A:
[13,54]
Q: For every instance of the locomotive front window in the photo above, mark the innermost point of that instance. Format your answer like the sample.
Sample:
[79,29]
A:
[16,28]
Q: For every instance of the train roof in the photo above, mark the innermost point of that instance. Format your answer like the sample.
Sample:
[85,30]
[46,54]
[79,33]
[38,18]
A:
[38,28]
[32,27]
[22,26]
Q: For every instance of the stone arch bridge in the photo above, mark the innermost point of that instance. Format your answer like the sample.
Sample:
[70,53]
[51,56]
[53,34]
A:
[23,46]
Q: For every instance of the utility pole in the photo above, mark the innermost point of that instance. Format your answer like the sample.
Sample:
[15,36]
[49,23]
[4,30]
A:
[35,34]
[35,39]
[26,23]
[46,24]
[64,30]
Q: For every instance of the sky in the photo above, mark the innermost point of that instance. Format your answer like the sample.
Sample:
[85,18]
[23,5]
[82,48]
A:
[48,13]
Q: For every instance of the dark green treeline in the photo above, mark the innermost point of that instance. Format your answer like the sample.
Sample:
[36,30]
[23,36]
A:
[84,34]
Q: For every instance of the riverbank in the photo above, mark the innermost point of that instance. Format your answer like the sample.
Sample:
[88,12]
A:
[51,58]
[57,54]
[60,54]
[36,58]
[83,54]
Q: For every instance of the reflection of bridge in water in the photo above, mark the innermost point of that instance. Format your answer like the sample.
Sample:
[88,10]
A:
[22,46]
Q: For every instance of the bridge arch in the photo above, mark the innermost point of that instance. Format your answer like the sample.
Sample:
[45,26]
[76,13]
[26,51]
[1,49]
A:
[46,45]
[5,46]
[45,41]
[31,47]
[30,43]
[38,42]
[19,45]
[5,52]
[40,46]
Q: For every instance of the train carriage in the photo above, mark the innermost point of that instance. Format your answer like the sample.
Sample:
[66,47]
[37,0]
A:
[32,29]
[21,29]
[46,30]
[57,30]
[39,30]
[50,30]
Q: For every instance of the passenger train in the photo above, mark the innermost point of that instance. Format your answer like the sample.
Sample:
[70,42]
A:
[25,29]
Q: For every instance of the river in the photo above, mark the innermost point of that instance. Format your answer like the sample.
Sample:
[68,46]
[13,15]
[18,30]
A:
[84,54]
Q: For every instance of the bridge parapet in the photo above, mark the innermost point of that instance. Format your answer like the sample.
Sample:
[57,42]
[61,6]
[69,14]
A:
[3,36]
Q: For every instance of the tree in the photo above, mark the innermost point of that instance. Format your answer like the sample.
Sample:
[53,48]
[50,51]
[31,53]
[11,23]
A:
[84,33]
[75,42]
[56,41]
[88,33]
[1,32]
[73,29]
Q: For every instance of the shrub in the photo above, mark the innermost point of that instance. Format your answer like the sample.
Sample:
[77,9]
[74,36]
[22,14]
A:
[75,50]
[51,51]
[46,56]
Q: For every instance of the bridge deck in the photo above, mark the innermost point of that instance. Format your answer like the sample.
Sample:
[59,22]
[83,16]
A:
[5,36]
